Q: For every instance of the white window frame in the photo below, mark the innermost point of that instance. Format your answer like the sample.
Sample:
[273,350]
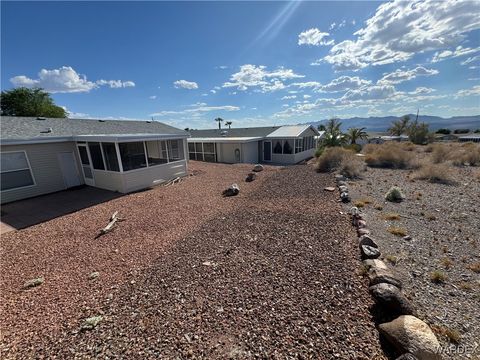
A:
[29,168]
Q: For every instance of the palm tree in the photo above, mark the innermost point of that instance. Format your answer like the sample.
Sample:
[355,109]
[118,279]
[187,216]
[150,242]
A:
[399,126]
[333,134]
[219,120]
[355,134]
[228,123]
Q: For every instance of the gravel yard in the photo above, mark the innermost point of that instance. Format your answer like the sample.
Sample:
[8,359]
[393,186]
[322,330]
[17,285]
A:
[272,272]
[443,222]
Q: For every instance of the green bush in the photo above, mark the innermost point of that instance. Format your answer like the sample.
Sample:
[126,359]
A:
[395,194]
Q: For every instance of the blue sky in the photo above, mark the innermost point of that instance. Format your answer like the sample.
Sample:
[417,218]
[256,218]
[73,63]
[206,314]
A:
[253,63]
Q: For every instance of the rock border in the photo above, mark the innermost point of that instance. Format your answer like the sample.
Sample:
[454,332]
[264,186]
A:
[412,337]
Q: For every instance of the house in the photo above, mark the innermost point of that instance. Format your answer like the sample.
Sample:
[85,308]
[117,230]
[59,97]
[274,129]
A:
[469,138]
[273,144]
[44,155]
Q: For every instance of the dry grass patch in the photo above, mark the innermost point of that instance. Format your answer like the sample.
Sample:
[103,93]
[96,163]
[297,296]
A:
[453,335]
[343,160]
[430,217]
[359,204]
[378,207]
[391,259]
[465,286]
[389,155]
[397,231]
[438,277]
[468,153]
[475,267]
[391,216]
[447,263]
[440,174]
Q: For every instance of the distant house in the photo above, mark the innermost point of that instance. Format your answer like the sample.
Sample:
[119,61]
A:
[274,144]
[469,138]
[40,156]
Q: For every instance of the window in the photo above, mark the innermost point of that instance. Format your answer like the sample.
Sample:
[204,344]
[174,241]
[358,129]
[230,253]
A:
[298,145]
[202,151]
[156,152]
[277,149]
[287,147]
[175,150]
[15,170]
[132,155]
[96,155]
[110,154]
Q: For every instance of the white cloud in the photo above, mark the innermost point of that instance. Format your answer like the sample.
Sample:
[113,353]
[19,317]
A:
[153,97]
[307,96]
[252,76]
[184,84]
[213,91]
[344,83]
[314,37]
[307,84]
[421,90]
[196,110]
[459,51]
[401,29]
[469,92]
[470,60]
[375,92]
[340,25]
[66,80]
[400,75]
[288,97]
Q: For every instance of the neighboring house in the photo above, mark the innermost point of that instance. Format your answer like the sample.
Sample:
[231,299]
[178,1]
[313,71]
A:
[275,144]
[40,156]
[469,138]
[445,137]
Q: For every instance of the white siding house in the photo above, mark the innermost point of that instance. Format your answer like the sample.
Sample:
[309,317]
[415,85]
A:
[40,156]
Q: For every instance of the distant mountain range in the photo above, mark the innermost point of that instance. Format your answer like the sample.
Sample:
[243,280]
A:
[380,124]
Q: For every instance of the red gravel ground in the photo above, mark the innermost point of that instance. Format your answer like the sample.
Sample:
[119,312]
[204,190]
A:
[270,273]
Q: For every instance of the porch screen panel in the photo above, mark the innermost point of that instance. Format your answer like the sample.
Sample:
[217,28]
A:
[110,153]
[96,155]
[132,155]
[156,152]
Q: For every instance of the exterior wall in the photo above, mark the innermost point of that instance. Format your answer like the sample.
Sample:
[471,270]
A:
[304,155]
[46,169]
[226,152]
[283,158]
[108,180]
[154,175]
[250,152]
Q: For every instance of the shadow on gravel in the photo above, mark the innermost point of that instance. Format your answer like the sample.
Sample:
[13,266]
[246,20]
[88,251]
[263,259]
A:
[380,316]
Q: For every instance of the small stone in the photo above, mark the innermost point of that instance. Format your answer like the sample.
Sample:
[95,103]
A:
[341,183]
[369,252]
[250,177]
[91,322]
[94,275]
[343,188]
[379,264]
[33,283]
[363,231]
[329,188]
[345,197]
[232,190]
[209,263]
[361,224]
[407,237]
[258,168]
[391,298]
[339,177]
[367,240]
[412,335]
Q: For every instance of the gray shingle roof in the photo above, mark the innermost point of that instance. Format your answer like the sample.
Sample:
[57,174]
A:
[30,128]
[236,132]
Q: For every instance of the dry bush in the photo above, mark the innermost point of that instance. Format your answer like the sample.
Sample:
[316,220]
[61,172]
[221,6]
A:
[343,160]
[438,277]
[453,335]
[391,216]
[467,153]
[438,173]
[394,194]
[439,153]
[397,231]
[389,155]
[475,267]
[369,148]
[408,146]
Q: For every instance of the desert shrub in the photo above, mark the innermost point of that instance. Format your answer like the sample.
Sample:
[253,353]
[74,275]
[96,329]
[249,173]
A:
[429,148]
[439,174]
[354,147]
[408,146]
[461,131]
[391,216]
[397,231]
[389,155]
[319,151]
[438,277]
[466,153]
[343,160]
[370,148]
[444,131]
[439,153]
[395,194]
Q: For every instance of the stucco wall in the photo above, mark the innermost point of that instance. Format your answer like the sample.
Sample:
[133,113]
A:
[46,169]
[250,152]
[108,180]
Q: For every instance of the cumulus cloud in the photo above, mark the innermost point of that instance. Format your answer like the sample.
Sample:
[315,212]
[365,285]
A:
[375,92]
[184,84]
[252,76]
[288,97]
[306,84]
[66,80]
[469,92]
[421,90]
[470,60]
[153,97]
[314,37]
[196,110]
[459,51]
[400,29]
[344,83]
[400,75]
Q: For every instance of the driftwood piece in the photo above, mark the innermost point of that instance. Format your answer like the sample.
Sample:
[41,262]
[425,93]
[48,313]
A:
[173,181]
[113,219]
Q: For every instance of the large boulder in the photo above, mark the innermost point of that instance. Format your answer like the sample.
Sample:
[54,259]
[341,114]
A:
[258,168]
[232,190]
[369,252]
[378,276]
[406,356]
[391,299]
[411,335]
